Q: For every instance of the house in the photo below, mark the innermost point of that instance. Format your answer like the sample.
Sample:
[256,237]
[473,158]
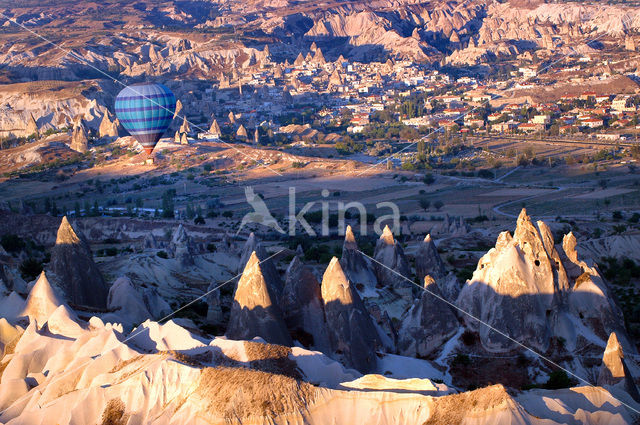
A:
[623,104]
[622,122]
[471,121]
[504,127]
[424,120]
[448,124]
[541,119]
[593,122]
[567,129]
[608,137]
[568,98]
[529,127]
[454,112]
[528,72]
[588,95]
[360,119]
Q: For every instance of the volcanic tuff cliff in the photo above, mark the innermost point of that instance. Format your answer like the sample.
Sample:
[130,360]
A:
[534,291]
[167,375]
[459,32]
[54,365]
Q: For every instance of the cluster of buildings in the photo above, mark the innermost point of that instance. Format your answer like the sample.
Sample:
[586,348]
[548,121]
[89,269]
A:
[260,94]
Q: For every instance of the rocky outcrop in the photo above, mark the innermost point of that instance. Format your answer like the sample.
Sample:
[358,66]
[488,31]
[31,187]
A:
[181,247]
[615,370]
[527,289]
[266,263]
[391,265]
[355,265]
[450,226]
[215,315]
[107,127]
[302,306]
[155,304]
[429,263]
[150,241]
[255,311]
[185,127]
[629,43]
[74,269]
[588,296]
[32,127]
[79,138]
[127,302]
[318,57]
[352,334]
[428,324]
[177,111]
[241,134]
[11,280]
[214,130]
[335,79]
[299,60]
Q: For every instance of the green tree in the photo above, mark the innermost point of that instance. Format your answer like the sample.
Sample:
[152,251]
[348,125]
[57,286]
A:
[422,154]
[95,210]
[168,205]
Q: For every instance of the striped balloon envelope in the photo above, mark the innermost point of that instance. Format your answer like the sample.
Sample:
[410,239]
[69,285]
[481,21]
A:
[146,111]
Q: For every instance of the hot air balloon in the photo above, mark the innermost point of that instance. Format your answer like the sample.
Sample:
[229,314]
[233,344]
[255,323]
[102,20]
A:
[146,111]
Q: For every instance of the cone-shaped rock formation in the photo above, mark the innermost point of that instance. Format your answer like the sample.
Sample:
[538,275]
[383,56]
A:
[428,324]
[76,273]
[302,307]
[266,264]
[181,247]
[42,301]
[429,263]
[614,369]
[352,333]
[355,265]
[255,311]
[390,257]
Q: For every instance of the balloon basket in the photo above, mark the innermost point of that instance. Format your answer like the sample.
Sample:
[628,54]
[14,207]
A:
[149,161]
